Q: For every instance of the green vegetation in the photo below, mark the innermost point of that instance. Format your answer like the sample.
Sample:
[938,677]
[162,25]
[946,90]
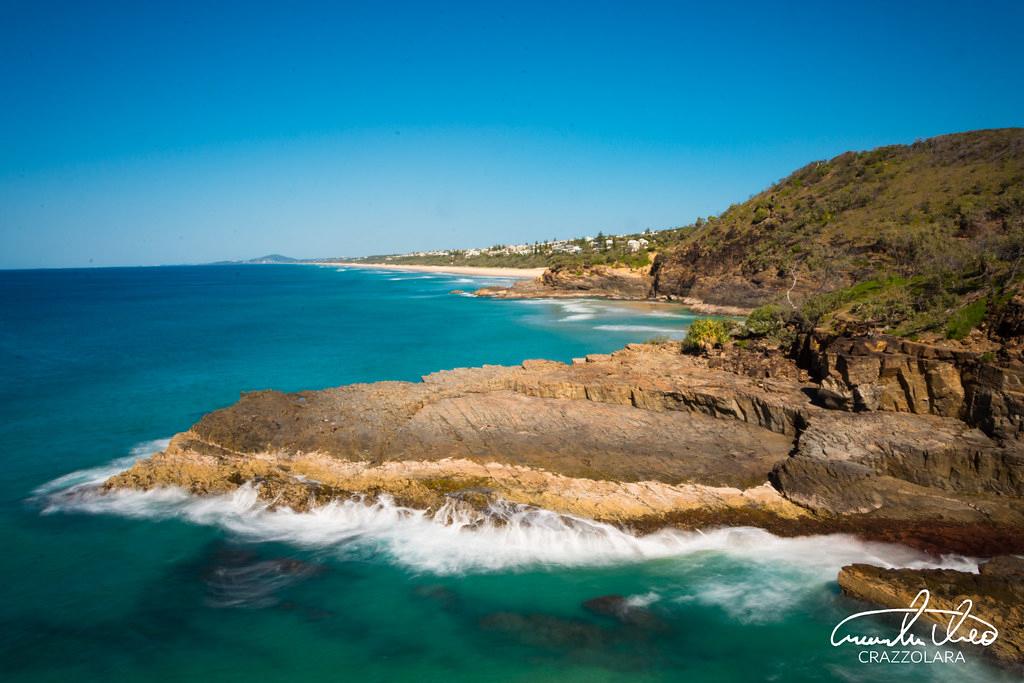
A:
[909,239]
[966,319]
[769,322]
[705,334]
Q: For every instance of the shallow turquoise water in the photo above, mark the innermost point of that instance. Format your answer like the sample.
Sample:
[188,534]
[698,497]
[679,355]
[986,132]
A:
[97,363]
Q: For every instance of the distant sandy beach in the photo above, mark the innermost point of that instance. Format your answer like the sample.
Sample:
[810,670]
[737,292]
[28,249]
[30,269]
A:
[525,273]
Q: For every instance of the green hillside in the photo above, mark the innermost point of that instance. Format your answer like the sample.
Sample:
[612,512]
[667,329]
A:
[910,238]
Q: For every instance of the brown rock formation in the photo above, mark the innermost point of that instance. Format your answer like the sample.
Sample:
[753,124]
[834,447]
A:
[891,374]
[601,282]
[646,436]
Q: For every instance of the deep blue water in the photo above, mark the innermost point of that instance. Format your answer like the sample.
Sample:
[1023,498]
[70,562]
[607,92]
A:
[96,364]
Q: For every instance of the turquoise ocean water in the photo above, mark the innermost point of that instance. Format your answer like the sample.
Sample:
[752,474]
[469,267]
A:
[98,366]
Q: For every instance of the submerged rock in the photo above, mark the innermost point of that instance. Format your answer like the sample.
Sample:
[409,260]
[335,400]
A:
[624,610]
[545,630]
[237,578]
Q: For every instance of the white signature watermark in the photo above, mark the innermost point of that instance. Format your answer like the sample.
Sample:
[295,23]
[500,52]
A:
[951,627]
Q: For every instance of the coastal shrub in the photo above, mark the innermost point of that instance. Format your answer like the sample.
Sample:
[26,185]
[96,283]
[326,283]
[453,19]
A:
[966,319]
[705,334]
[766,321]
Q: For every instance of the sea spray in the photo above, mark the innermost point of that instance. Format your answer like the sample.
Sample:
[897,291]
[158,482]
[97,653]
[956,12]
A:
[97,475]
[670,331]
[577,311]
[457,538]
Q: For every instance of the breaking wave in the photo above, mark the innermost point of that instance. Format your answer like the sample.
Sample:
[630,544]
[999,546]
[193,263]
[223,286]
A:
[458,539]
[666,314]
[577,312]
[93,476]
[671,331]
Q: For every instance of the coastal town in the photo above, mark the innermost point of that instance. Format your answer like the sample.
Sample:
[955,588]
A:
[635,250]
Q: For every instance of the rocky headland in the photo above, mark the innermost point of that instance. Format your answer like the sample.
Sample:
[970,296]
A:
[649,437]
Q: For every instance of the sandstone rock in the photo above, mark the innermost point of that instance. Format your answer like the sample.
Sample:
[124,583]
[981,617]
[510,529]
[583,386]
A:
[592,282]
[902,466]
[644,436]
[889,374]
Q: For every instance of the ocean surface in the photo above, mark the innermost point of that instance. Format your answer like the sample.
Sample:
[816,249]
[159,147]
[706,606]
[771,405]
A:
[100,367]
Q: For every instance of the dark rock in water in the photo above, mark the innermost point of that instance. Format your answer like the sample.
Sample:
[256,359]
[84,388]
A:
[444,596]
[544,630]
[996,594]
[620,609]
[239,579]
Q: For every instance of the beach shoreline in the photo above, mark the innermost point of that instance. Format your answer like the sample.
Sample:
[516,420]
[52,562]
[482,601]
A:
[523,273]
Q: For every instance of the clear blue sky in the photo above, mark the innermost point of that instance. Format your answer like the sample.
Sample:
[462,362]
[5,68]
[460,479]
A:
[147,133]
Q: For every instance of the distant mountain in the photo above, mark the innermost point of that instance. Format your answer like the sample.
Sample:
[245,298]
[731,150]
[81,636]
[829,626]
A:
[268,259]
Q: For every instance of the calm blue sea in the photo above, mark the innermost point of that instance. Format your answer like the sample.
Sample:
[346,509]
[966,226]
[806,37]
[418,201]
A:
[98,366]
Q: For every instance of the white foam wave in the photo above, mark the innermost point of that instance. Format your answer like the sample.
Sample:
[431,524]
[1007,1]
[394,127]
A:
[782,572]
[640,328]
[666,314]
[535,302]
[457,539]
[643,600]
[97,475]
[577,311]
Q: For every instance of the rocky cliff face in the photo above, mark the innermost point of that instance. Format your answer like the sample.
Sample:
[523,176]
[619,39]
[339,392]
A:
[646,437]
[890,374]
